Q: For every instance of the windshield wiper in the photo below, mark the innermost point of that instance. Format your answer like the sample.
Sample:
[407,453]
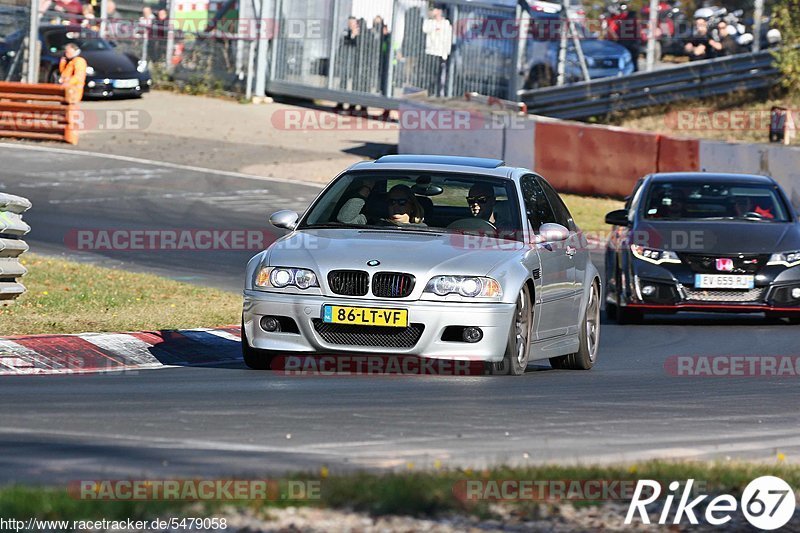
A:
[333,225]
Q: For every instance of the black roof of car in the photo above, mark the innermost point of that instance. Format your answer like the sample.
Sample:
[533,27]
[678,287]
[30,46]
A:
[711,177]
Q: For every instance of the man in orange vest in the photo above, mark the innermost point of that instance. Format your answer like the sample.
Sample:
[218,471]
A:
[73,70]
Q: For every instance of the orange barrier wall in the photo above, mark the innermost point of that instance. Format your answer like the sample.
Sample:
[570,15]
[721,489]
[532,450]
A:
[593,160]
[42,111]
[675,155]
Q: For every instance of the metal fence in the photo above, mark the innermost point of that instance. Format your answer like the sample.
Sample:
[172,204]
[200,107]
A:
[12,229]
[699,79]
[380,53]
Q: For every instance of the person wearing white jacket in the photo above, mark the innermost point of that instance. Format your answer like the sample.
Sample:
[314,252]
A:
[438,45]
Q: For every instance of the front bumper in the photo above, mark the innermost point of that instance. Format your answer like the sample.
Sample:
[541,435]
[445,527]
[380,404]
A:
[97,87]
[673,290]
[494,319]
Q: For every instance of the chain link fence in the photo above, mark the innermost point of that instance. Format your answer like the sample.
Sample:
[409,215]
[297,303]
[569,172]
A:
[381,48]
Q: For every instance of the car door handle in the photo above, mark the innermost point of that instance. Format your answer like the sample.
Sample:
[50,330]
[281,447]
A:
[571,251]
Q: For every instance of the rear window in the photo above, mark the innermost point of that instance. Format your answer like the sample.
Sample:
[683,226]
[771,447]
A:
[710,201]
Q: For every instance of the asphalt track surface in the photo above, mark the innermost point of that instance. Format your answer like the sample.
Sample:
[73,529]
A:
[226,420]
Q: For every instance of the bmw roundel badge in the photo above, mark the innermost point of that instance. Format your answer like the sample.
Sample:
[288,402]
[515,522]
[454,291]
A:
[373,262]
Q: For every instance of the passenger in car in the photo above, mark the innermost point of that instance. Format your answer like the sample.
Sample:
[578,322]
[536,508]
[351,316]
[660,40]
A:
[350,213]
[402,206]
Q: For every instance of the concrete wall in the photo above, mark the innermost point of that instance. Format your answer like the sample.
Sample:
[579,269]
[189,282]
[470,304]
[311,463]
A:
[583,158]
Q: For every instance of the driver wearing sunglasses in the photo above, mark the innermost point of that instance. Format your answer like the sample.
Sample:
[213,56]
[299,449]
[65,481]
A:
[481,201]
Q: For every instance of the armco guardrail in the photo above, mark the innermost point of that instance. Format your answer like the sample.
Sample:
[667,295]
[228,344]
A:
[43,111]
[694,80]
[12,229]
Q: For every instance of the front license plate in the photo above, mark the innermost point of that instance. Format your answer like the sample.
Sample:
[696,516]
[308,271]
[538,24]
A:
[722,281]
[365,316]
[125,84]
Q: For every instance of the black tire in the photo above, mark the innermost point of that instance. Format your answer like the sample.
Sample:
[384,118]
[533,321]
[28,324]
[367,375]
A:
[626,316]
[253,357]
[612,310]
[589,337]
[515,358]
[788,319]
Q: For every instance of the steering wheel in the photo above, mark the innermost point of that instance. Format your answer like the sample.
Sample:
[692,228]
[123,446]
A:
[472,223]
[753,214]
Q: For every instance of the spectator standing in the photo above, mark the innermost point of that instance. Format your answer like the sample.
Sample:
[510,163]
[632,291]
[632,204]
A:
[623,27]
[347,57]
[89,20]
[147,18]
[726,45]
[72,70]
[438,45]
[700,44]
[381,38]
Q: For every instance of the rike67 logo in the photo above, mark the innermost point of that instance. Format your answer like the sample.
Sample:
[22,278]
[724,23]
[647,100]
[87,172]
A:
[767,502]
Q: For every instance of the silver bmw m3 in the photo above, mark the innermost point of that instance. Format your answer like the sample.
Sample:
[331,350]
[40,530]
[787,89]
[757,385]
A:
[433,256]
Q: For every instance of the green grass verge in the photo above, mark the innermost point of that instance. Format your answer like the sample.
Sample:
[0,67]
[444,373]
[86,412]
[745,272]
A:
[590,212]
[422,494]
[68,297]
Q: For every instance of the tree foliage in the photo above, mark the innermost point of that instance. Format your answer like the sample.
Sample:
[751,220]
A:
[786,18]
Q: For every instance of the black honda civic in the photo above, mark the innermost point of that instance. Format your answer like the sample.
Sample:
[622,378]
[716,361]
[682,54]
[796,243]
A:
[704,242]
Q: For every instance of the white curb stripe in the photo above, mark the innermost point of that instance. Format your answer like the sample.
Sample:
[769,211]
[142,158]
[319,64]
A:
[129,348]
[132,352]
[18,357]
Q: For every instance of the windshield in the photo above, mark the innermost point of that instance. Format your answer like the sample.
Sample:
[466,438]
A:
[699,200]
[86,40]
[420,201]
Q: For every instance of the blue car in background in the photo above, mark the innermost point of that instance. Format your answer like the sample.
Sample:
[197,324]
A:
[484,55]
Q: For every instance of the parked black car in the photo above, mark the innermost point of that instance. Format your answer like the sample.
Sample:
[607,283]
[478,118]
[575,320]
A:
[704,242]
[110,73]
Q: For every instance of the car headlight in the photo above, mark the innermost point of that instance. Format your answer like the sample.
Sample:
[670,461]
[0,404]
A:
[282,277]
[590,61]
[141,66]
[653,255]
[788,259]
[90,71]
[469,286]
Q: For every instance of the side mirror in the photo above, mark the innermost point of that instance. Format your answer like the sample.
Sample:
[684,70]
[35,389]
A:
[285,219]
[618,218]
[552,232]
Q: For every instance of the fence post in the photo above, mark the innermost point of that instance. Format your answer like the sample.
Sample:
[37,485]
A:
[263,26]
[12,229]
[389,82]
[451,65]
[276,36]
[33,43]
[171,34]
[334,42]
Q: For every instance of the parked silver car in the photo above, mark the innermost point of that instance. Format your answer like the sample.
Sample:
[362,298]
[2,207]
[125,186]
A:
[435,256]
